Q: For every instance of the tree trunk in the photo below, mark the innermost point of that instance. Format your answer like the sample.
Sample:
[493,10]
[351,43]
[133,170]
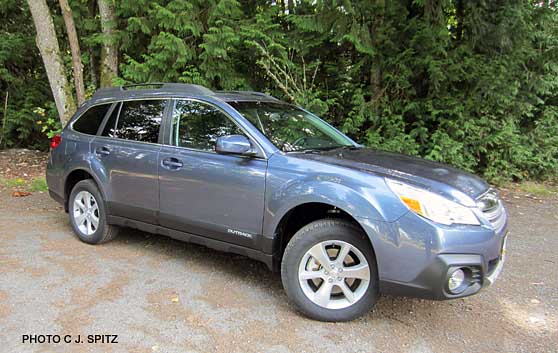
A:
[109,51]
[291,6]
[93,61]
[376,71]
[74,48]
[93,68]
[50,52]
[460,18]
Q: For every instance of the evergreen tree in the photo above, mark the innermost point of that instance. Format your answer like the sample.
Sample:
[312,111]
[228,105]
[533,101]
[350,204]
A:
[469,83]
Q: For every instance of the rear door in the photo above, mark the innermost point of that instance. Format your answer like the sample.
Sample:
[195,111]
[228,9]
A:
[205,193]
[127,151]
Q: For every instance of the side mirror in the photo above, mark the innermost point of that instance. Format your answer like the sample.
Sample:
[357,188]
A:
[234,144]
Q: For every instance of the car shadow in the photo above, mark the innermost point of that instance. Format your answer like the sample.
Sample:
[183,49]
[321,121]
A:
[252,272]
[238,266]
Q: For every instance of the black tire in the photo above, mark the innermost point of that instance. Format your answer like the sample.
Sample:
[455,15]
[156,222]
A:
[315,233]
[104,232]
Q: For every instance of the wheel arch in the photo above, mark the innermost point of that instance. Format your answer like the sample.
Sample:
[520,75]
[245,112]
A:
[304,213]
[75,176]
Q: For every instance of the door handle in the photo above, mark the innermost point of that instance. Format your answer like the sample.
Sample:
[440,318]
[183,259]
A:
[103,151]
[172,163]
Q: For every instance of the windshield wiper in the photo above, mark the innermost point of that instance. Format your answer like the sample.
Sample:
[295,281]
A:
[325,149]
[344,147]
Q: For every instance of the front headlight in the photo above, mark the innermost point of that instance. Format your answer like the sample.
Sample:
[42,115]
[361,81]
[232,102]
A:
[432,206]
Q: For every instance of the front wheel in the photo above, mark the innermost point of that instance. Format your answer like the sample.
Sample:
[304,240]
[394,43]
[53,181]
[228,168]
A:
[329,271]
[88,215]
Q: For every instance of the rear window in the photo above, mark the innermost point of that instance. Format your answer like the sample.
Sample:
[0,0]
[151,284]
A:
[140,120]
[89,122]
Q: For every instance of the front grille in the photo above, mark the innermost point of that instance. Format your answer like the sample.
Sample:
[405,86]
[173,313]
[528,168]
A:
[476,275]
[493,209]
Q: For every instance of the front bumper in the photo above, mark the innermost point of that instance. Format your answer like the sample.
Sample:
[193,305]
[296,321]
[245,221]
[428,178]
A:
[495,273]
[432,282]
[415,256]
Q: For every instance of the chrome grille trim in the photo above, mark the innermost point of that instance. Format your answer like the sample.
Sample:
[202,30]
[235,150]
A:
[493,209]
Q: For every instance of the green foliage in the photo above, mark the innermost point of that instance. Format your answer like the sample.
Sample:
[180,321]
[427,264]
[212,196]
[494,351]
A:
[472,89]
[183,41]
[37,185]
[50,125]
[12,183]
[23,83]
[469,83]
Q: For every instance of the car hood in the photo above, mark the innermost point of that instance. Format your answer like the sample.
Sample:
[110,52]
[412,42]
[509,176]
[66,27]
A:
[411,169]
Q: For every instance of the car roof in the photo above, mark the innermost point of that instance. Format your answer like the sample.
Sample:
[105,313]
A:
[154,90]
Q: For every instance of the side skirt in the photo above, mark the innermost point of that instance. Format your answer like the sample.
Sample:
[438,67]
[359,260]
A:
[192,238]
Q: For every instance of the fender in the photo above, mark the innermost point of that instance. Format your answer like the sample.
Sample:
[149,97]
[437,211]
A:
[301,192]
[361,205]
[293,181]
[360,194]
[99,173]
[96,170]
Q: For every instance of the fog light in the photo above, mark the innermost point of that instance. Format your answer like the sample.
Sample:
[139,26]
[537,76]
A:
[456,280]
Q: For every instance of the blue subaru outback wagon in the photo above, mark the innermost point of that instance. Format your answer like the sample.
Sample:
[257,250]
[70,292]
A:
[244,172]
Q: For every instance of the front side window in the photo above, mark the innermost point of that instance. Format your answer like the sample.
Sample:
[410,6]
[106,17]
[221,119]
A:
[89,122]
[198,125]
[290,128]
[140,120]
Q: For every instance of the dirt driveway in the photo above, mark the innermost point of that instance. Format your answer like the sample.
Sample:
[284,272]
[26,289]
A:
[160,295]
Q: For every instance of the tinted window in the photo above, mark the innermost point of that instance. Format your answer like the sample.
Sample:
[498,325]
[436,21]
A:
[110,126]
[89,122]
[198,125]
[140,120]
[290,128]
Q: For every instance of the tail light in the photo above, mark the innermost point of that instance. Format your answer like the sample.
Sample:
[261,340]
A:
[55,141]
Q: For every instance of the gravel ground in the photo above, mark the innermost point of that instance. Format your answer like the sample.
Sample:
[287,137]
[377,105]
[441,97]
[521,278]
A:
[160,295]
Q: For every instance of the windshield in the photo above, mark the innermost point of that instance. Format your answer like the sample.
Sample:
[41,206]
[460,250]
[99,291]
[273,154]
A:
[291,129]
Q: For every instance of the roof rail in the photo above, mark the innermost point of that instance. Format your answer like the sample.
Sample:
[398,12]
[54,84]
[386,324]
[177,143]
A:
[253,93]
[180,87]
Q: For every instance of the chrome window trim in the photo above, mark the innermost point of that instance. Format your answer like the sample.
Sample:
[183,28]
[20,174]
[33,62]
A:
[172,101]
[125,140]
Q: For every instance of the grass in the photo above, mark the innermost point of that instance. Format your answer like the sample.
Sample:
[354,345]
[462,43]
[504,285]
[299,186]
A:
[12,183]
[38,184]
[538,189]
[35,185]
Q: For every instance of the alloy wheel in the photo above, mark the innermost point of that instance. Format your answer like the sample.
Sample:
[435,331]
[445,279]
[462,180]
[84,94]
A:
[334,274]
[86,213]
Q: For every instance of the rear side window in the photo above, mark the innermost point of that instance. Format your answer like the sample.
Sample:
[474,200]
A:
[140,120]
[89,122]
[110,126]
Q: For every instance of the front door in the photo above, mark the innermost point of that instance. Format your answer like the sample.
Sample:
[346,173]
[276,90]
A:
[205,193]
[128,152]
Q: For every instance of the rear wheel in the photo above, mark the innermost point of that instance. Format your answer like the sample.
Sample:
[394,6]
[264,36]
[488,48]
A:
[329,271]
[88,215]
